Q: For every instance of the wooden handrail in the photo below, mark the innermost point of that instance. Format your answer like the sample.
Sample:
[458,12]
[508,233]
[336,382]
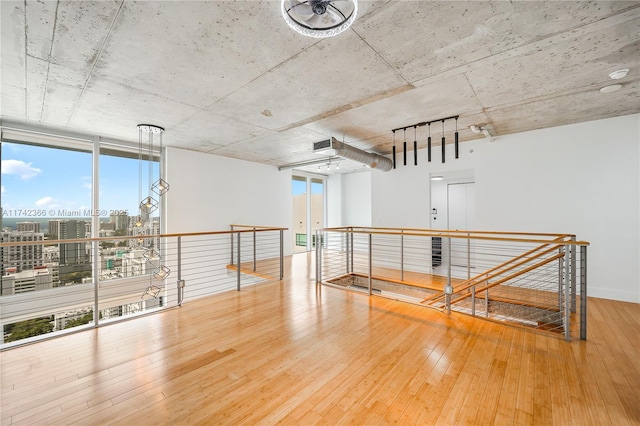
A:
[128,237]
[258,227]
[489,274]
[512,276]
[464,231]
[467,235]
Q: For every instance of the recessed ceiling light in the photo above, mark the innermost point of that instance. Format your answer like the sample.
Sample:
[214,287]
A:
[437,177]
[617,75]
[611,88]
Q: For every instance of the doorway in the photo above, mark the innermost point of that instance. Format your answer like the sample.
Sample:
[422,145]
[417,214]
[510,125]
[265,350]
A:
[452,208]
[308,194]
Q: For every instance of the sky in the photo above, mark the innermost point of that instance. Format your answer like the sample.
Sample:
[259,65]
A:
[300,187]
[50,182]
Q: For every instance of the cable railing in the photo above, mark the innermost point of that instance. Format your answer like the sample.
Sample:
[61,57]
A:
[94,281]
[534,280]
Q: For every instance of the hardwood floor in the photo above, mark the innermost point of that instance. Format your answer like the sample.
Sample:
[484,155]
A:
[286,353]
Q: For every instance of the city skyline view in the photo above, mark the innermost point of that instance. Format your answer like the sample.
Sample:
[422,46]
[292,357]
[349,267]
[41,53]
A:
[45,182]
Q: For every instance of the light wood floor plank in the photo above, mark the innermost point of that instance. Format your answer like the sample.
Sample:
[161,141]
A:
[289,353]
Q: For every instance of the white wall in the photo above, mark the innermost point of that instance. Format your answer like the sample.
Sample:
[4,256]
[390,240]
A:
[356,199]
[334,200]
[581,179]
[401,197]
[208,193]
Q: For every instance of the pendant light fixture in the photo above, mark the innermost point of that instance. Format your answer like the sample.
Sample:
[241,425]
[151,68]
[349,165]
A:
[443,143]
[394,149]
[404,149]
[160,186]
[455,142]
[415,146]
[429,145]
[443,140]
[148,205]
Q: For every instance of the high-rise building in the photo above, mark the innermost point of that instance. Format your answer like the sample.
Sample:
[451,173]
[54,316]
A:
[107,226]
[23,256]
[72,253]
[121,221]
[54,228]
[26,281]
[28,226]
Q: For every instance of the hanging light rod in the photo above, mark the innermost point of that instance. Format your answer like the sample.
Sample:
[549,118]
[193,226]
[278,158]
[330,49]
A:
[424,123]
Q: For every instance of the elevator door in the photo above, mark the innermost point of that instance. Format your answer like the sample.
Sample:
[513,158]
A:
[461,216]
[461,200]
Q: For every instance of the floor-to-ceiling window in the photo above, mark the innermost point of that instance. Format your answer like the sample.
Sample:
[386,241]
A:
[51,190]
[308,210]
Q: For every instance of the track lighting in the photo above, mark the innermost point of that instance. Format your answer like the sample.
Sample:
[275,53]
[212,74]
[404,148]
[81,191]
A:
[443,141]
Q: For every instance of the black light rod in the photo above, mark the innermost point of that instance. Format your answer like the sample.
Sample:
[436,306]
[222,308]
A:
[394,156]
[456,143]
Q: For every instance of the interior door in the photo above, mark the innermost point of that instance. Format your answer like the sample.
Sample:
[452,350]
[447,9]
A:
[461,201]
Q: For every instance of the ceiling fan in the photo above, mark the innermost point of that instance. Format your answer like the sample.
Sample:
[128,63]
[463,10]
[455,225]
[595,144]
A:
[319,18]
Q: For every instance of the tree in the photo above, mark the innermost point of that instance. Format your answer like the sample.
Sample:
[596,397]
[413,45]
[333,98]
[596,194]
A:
[74,277]
[85,319]
[29,328]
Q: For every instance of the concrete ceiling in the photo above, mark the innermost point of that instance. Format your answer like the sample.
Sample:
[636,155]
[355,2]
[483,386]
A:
[232,79]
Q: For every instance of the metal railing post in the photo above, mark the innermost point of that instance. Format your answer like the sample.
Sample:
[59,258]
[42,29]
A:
[180,287]
[346,257]
[486,303]
[254,249]
[583,292]
[402,255]
[231,244]
[351,236]
[281,254]
[567,293]
[370,264]
[449,262]
[448,289]
[238,265]
[560,270]
[473,300]
[468,255]
[318,261]
[573,275]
